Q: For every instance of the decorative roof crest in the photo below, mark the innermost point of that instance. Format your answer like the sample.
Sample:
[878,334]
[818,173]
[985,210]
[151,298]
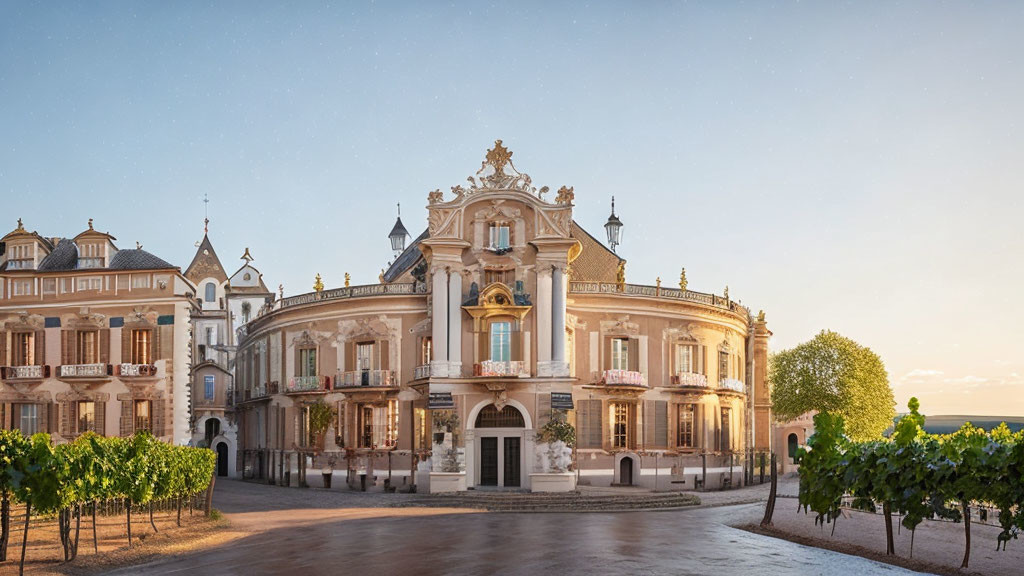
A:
[496,173]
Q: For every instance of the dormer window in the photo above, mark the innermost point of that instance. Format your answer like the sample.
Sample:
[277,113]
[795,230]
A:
[91,256]
[500,236]
[21,257]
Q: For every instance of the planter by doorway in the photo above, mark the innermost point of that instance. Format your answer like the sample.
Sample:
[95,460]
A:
[447,482]
[553,482]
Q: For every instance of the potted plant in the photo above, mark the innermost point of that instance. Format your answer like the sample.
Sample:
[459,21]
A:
[555,441]
[321,416]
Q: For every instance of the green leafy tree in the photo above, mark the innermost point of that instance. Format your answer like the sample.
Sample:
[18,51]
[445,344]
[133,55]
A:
[13,451]
[823,465]
[835,375]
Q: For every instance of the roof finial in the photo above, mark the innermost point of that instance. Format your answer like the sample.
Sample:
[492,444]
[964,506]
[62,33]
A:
[20,226]
[90,223]
[399,209]
[247,257]
[138,245]
[206,212]
[318,285]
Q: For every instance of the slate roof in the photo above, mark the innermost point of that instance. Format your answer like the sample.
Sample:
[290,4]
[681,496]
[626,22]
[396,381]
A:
[205,263]
[138,259]
[63,257]
[407,259]
[596,263]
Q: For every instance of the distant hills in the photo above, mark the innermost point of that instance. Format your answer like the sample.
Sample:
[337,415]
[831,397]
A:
[946,424]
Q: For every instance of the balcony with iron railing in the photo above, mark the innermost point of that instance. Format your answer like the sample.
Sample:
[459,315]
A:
[712,300]
[82,371]
[502,369]
[366,378]
[24,373]
[307,384]
[126,370]
[689,380]
[621,378]
[422,372]
[732,385]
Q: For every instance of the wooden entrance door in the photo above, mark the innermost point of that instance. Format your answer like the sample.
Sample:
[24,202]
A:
[489,461]
[626,472]
[512,462]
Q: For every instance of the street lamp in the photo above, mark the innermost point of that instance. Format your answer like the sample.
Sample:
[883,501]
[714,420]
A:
[398,234]
[614,228]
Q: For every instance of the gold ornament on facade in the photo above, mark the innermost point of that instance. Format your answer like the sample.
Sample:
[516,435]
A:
[565,195]
[620,275]
[435,197]
[726,295]
[347,279]
[318,285]
[380,277]
[498,157]
[760,316]
[682,280]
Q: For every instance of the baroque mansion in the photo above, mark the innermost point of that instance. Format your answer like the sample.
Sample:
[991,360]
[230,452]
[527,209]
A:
[501,315]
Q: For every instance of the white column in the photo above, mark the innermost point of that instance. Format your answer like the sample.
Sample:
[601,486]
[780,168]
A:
[561,367]
[439,324]
[543,320]
[455,324]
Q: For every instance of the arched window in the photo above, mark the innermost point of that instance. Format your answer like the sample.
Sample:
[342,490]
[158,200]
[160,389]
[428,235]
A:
[507,417]
[792,445]
[211,292]
[246,311]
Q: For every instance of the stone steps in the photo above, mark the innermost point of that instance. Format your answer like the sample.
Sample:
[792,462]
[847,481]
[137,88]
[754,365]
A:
[572,502]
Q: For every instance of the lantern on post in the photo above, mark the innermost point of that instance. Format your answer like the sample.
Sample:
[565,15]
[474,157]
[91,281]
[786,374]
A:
[398,234]
[613,227]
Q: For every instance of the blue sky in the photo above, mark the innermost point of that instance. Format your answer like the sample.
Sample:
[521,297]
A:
[845,166]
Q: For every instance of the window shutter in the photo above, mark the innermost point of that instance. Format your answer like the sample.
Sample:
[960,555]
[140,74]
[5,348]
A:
[634,355]
[104,346]
[583,423]
[67,347]
[154,344]
[350,356]
[66,419]
[163,339]
[704,360]
[49,411]
[127,426]
[298,361]
[596,430]
[40,344]
[385,359]
[660,424]
[159,428]
[516,337]
[607,354]
[3,348]
[698,427]
[101,418]
[126,345]
[543,409]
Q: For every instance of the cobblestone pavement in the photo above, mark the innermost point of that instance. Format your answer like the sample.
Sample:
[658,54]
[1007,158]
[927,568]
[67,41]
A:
[285,531]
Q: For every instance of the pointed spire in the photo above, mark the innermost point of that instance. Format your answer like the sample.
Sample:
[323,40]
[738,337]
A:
[247,257]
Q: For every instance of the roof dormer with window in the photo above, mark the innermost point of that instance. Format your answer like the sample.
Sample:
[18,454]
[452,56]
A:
[23,250]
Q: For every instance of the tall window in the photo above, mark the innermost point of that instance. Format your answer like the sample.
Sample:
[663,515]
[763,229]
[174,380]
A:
[86,416]
[620,354]
[90,256]
[23,287]
[87,344]
[725,444]
[307,362]
[211,292]
[246,312]
[723,365]
[140,280]
[501,341]
[364,356]
[686,423]
[366,426]
[92,283]
[378,425]
[208,387]
[619,417]
[426,350]
[391,433]
[499,236]
[140,346]
[28,421]
[143,415]
[685,358]
[24,352]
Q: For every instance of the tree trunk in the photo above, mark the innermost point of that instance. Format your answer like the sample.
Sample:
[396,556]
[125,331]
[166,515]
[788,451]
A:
[24,540]
[78,529]
[151,522]
[967,534]
[5,525]
[179,511]
[769,509]
[95,540]
[209,494]
[890,547]
[128,509]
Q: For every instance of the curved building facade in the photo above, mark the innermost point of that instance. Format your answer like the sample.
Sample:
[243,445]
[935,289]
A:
[503,314]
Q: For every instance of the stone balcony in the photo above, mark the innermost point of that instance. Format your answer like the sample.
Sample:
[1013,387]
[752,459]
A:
[689,380]
[307,384]
[422,372]
[24,373]
[501,369]
[732,385]
[367,379]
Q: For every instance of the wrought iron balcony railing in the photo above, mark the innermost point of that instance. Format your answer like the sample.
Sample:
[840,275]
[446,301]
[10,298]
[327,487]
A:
[358,378]
[24,372]
[136,370]
[623,378]
[422,372]
[501,368]
[308,384]
[84,371]
[690,379]
[657,292]
[732,384]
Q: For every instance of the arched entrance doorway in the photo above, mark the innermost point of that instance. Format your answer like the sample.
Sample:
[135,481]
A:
[793,443]
[222,459]
[626,472]
[499,441]
[212,429]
